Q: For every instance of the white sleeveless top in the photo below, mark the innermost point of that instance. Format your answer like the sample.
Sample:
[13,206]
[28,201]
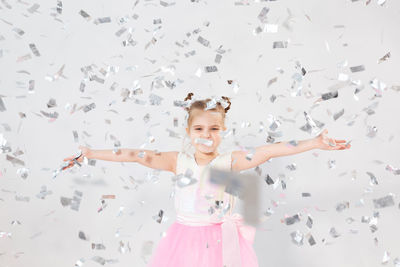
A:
[201,202]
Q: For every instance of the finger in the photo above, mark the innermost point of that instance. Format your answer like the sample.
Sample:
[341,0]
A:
[343,146]
[68,166]
[340,141]
[331,142]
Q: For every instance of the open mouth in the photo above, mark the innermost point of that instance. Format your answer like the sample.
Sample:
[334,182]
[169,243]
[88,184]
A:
[205,142]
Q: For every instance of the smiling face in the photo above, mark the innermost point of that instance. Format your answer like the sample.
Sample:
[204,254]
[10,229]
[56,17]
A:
[207,125]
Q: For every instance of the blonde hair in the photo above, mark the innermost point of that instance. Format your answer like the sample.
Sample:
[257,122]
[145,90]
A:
[202,104]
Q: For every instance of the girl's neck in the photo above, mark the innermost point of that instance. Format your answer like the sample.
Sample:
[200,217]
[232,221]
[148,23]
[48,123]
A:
[205,156]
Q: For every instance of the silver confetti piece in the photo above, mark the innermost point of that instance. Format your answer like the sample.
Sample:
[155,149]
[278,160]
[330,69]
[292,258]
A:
[297,237]
[357,68]
[280,44]
[21,198]
[74,202]
[23,172]
[59,7]
[293,219]
[33,8]
[89,107]
[155,99]
[121,31]
[275,124]
[57,75]
[52,103]
[19,31]
[331,163]
[309,222]
[371,131]
[373,180]
[14,160]
[342,206]
[269,180]
[124,248]
[84,15]
[50,115]
[386,201]
[34,50]
[146,118]
[183,180]
[330,95]
[210,69]
[173,134]
[338,114]
[82,236]
[293,142]
[79,263]
[211,104]
[166,4]
[43,192]
[291,166]
[98,246]
[159,216]
[395,171]
[333,232]
[103,206]
[386,257]
[76,138]
[310,240]
[2,106]
[203,41]
[99,260]
[250,154]
[102,20]
[96,78]
[384,58]
[5,234]
[263,14]
[378,86]
[312,126]
[218,58]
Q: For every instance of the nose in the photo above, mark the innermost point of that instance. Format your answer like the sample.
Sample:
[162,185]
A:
[206,134]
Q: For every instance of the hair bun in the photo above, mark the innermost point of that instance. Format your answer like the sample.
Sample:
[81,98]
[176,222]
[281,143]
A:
[229,102]
[189,96]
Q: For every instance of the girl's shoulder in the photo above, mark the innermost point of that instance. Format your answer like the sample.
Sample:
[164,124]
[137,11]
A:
[182,159]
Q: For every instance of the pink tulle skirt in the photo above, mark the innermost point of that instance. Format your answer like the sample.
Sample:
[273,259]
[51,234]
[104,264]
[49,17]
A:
[197,246]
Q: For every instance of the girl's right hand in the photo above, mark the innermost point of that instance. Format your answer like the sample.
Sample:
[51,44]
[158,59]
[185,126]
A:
[85,153]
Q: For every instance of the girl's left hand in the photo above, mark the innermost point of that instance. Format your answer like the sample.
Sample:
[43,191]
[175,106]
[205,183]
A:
[324,142]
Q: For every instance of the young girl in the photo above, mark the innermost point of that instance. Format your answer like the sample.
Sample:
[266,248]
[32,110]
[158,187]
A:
[200,236]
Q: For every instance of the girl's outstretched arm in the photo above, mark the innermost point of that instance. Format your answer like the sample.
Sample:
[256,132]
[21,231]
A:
[165,161]
[156,160]
[266,152]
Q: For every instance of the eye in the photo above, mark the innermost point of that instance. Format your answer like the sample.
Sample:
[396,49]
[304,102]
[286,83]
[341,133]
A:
[215,129]
[198,128]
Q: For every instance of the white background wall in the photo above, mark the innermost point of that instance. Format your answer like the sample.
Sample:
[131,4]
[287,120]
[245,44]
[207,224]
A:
[321,35]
